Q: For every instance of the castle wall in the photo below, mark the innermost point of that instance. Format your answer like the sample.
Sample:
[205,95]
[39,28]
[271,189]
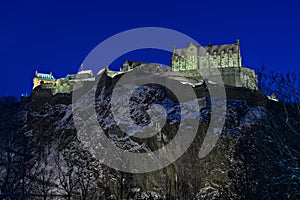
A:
[196,57]
[218,61]
[191,61]
[231,76]
[38,81]
[234,76]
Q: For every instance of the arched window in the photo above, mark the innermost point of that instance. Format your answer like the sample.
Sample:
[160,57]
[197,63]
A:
[192,58]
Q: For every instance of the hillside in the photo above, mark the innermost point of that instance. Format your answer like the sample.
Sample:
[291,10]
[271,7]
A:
[256,156]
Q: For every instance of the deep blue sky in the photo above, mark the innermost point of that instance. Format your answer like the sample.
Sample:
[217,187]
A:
[56,36]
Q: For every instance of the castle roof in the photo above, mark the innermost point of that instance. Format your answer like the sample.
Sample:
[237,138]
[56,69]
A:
[211,49]
[135,63]
[48,77]
[79,76]
[86,72]
[226,48]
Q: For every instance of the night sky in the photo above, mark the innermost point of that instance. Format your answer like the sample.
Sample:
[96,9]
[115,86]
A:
[55,36]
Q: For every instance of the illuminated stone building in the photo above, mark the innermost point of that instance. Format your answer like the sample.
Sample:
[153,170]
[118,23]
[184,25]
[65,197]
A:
[192,64]
[196,63]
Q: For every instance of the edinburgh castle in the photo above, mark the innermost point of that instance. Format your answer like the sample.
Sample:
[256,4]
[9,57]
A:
[192,64]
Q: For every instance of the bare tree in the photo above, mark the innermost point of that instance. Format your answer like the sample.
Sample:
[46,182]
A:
[66,171]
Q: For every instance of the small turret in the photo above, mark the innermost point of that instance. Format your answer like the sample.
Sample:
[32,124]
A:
[238,41]
[239,53]
[81,67]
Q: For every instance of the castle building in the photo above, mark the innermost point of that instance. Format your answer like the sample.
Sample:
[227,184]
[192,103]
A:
[81,75]
[41,78]
[192,64]
[62,85]
[196,57]
[196,62]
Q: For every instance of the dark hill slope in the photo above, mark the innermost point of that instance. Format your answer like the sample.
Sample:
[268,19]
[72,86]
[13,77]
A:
[256,157]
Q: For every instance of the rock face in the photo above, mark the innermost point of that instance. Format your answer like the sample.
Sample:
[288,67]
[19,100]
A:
[256,156]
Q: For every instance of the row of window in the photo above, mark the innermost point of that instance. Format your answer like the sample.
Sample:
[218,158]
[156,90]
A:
[193,58]
[188,65]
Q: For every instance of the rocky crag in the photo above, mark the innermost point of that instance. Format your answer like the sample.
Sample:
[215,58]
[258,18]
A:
[256,157]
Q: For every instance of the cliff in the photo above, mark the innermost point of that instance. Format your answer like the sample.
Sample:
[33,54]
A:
[256,156]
